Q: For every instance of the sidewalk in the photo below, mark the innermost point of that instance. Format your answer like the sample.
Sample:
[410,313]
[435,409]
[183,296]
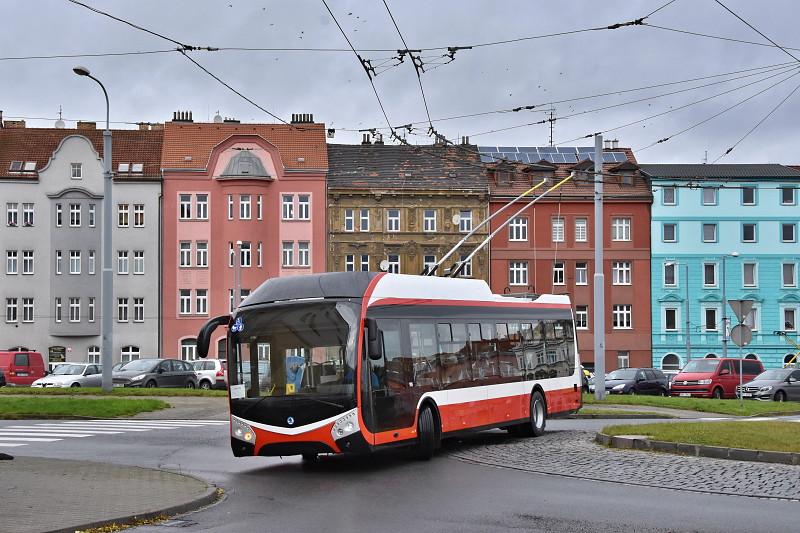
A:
[43,495]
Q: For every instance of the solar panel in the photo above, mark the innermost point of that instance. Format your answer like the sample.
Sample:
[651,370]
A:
[525,157]
[487,148]
[507,148]
[546,157]
[548,150]
[582,149]
[566,149]
[608,157]
[570,158]
[530,149]
[588,155]
[620,157]
[486,158]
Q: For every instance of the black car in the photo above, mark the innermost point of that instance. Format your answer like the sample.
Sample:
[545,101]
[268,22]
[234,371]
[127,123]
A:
[151,373]
[779,384]
[636,381]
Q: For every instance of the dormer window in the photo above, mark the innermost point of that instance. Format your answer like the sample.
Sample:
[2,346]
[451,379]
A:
[137,168]
[245,164]
[124,167]
[30,166]
[76,171]
[16,166]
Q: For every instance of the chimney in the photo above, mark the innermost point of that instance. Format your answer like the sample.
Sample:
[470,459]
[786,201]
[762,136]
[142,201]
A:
[182,116]
[606,144]
[20,124]
[143,126]
[614,143]
[464,140]
[85,125]
[379,139]
[230,120]
[157,126]
[302,118]
[365,139]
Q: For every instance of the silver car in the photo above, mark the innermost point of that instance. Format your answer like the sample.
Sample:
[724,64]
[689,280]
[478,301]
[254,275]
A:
[72,375]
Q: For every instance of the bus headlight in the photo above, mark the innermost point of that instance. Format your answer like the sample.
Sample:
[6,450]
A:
[345,425]
[242,431]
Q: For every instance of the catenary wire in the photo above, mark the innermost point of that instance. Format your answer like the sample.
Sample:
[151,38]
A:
[726,8]
[718,37]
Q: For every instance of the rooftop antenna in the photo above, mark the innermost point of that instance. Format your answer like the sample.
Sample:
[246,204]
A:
[60,124]
[552,121]
[705,158]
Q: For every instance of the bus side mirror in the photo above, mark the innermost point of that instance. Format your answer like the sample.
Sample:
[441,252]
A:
[204,337]
[373,342]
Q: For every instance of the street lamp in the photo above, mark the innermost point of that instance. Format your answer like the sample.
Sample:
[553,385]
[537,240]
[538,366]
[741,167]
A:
[724,308]
[687,322]
[107,294]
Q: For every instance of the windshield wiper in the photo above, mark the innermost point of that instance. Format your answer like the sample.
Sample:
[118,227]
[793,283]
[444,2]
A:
[334,404]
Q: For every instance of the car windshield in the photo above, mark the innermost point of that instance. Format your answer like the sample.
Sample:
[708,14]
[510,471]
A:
[198,365]
[774,374]
[301,349]
[140,365]
[623,373]
[68,370]
[701,365]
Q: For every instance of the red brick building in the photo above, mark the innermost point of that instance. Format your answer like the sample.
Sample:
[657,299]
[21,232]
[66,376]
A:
[549,248]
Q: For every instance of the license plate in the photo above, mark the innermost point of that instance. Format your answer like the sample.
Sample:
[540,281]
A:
[747,395]
[685,395]
[118,384]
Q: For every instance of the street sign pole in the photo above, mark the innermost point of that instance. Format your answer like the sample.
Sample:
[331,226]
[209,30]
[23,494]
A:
[741,334]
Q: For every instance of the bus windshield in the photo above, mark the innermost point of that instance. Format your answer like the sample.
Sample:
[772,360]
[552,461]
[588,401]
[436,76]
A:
[302,349]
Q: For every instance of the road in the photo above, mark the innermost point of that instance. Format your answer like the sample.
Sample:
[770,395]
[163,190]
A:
[390,492]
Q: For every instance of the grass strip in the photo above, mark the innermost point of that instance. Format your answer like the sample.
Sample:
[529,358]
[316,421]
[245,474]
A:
[119,391]
[703,405]
[16,408]
[769,436]
[612,412]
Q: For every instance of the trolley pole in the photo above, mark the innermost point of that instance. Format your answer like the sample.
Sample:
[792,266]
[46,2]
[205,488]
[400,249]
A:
[599,277]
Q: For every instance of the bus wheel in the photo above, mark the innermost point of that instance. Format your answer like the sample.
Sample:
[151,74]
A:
[538,414]
[310,458]
[426,434]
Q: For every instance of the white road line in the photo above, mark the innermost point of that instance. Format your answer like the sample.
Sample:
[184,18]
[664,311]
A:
[117,429]
[28,439]
[35,434]
[9,445]
[136,424]
[61,428]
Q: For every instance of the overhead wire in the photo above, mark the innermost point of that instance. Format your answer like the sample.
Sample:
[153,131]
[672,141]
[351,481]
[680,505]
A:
[99,54]
[718,37]
[726,8]
[659,9]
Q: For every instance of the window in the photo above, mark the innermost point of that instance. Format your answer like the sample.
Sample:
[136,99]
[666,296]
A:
[259,204]
[581,317]
[93,354]
[709,274]
[92,262]
[74,215]
[245,254]
[185,301]
[27,214]
[623,359]
[621,273]
[12,259]
[188,349]
[303,259]
[15,166]
[129,353]
[670,319]
[12,214]
[92,214]
[748,232]
[620,229]
[303,207]
[748,195]
[138,261]
[202,254]
[518,273]
[244,207]
[74,309]
[122,215]
[185,206]
[122,309]
[393,220]
[231,254]
[789,319]
[749,274]
[466,271]
[465,221]
[138,215]
[74,261]
[429,220]
[670,279]
[751,320]
[122,262]
[230,207]
[709,233]
[518,229]
[57,310]
[788,232]
[581,274]
[201,204]
[427,262]
[621,316]
[258,254]
[201,301]
[349,220]
[558,273]
[394,263]
[788,196]
[557,230]
[287,206]
[58,261]
[349,263]
[710,319]
[709,196]
[669,232]
[27,309]
[288,253]
[364,263]
[185,253]
[668,196]
[27,262]
[11,310]
[59,215]
[124,167]
[581,229]
[90,312]
[77,170]
[364,220]
[789,274]
[138,309]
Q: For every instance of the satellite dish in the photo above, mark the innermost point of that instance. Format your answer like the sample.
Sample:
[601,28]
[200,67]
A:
[384,266]
[456,219]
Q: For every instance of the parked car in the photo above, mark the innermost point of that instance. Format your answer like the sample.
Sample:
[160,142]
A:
[72,375]
[156,373]
[779,384]
[21,368]
[212,373]
[118,366]
[714,378]
[636,381]
[2,379]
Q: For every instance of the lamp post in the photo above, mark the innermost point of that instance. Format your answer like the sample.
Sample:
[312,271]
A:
[725,307]
[106,293]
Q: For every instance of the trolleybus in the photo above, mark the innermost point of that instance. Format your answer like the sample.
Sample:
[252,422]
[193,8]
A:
[352,362]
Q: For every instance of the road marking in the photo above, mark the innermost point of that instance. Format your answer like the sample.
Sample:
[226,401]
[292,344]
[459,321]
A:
[7,433]
[135,424]
[103,428]
[28,439]
[9,445]
[48,427]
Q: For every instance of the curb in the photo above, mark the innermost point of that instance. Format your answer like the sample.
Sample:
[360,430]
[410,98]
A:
[640,442]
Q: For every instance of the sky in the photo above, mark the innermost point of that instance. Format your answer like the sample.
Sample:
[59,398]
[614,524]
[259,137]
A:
[335,88]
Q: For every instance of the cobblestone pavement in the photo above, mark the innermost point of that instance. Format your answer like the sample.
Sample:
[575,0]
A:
[575,454]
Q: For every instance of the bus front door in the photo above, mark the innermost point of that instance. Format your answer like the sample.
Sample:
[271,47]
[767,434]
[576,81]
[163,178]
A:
[391,382]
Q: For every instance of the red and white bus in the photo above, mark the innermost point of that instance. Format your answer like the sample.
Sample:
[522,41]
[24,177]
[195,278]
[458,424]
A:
[356,361]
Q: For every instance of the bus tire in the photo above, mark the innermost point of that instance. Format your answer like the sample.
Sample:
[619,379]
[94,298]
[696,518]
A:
[310,458]
[426,434]
[538,414]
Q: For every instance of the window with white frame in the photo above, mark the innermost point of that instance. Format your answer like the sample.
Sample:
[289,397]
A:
[245,254]
[74,309]
[393,220]
[93,354]
[709,196]
[202,254]
[287,206]
[581,229]
[620,229]
[788,196]
[303,254]
[231,254]
[364,220]
[201,301]
[57,310]
[138,215]
[709,274]
[621,272]
[76,171]
[185,249]
[749,274]
[364,263]
[12,214]
[27,310]
[27,262]
[671,319]
[185,301]
[789,274]
[429,220]
[349,263]
[74,261]
[558,273]
[581,317]
[518,229]
[789,319]
[138,262]
[11,310]
[90,309]
[788,232]
[122,215]
[185,211]
[748,195]
[27,214]
[670,275]
[709,233]
[428,261]
[122,309]
[622,316]
[748,232]
[623,359]
[465,220]
[122,262]
[303,207]
[230,207]
[189,349]
[92,215]
[129,353]
[669,232]
[201,205]
[557,230]
[258,254]
[752,319]
[394,263]
[581,273]
[244,206]
[91,261]
[287,253]
[58,266]
[74,215]
[466,271]
[349,220]
[12,261]
[59,215]
[668,195]
[138,309]
[518,273]
[710,319]
[259,206]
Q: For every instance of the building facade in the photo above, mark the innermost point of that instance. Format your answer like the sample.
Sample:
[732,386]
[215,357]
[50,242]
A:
[723,232]
[549,247]
[246,198]
[51,180]
[406,205]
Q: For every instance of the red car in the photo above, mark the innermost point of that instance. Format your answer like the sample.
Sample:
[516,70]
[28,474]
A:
[714,378]
[21,368]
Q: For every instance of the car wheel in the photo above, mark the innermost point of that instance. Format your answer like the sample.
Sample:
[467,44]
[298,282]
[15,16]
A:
[190,384]
[205,385]
[717,394]
[632,392]
[75,386]
[426,434]
[780,396]
[151,384]
[663,392]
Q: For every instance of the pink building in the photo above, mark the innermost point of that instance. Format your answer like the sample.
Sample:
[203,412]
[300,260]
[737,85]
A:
[252,190]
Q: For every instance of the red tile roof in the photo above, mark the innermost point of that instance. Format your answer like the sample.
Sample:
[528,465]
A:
[38,144]
[196,140]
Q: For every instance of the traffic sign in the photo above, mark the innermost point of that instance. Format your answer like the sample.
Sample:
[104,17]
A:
[741,335]
[741,308]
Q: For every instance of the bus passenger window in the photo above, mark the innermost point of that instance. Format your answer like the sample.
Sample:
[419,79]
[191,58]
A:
[509,351]
[423,350]
[393,372]
[453,354]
